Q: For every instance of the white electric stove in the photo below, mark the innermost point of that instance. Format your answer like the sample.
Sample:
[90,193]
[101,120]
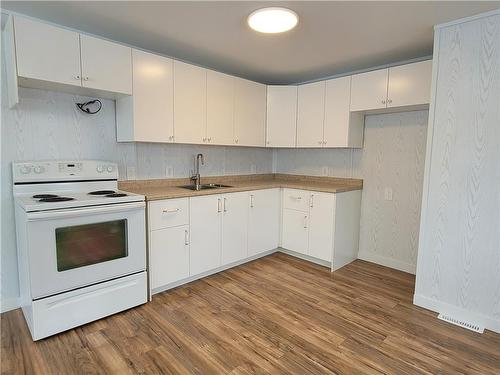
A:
[81,243]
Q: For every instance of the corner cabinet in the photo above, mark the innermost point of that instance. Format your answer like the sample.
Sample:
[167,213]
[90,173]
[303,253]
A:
[321,226]
[50,57]
[281,116]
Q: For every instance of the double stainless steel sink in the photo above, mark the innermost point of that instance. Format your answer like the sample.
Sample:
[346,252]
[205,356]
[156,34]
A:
[204,186]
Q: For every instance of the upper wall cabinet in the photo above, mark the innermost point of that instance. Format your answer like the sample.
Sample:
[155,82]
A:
[409,84]
[52,57]
[395,87]
[220,108]
[310,114]
[190,103]
[148,116]
[369,90]
[342,127]
[281,116]
[249,113]
[106,65]
[46,52]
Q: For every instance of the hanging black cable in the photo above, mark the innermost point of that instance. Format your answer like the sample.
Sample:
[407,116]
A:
[84,107]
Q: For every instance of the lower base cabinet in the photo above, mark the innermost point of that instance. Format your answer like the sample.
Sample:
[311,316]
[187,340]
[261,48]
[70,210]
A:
[169,255]
[234,227]
[295,231]
[263,220]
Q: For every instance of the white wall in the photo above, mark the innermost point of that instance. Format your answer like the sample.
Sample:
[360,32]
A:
[459,255]
[47,125]
[393,156]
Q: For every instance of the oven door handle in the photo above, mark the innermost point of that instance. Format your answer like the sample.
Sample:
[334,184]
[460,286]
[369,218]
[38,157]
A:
[85,211]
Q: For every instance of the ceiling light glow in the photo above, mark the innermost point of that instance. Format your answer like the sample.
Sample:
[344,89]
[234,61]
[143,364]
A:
[273,20]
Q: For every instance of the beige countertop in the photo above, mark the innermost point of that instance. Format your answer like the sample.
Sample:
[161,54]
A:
[170,188]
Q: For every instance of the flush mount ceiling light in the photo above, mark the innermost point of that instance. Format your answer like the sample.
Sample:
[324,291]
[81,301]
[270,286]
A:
[273,20]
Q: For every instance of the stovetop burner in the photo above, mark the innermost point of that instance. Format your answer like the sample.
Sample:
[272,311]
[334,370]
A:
[56,199]
[102,192]
[116,195]
[44,196]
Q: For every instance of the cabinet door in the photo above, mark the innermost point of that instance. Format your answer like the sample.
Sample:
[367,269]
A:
[295,231]
[338,94]
[281,116]
[322,213]
[47,52]
[106,65]
[169,255]
[410,84]
[190,103]
[205,223]
[250,113]
[220,108]
[263,221]
[311,114]
[234,227]
[369,90]
[153,97]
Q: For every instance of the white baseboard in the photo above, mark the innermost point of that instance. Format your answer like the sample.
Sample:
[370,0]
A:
[9,304]
[388,262]
[442,307]
[304,257]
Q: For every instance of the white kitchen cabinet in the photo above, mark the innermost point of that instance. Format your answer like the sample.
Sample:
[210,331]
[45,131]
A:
[369,90]
[220,108]
[281,116]
[310,114]
[295,232]
[168,213]
[106,65]
[409,84]
[342,128]
[321,221]
[205,224]
[249,113]
[326,229]
[234,227]
[148,115]
[169,255]
[263,220]
[45,52]
[190,103]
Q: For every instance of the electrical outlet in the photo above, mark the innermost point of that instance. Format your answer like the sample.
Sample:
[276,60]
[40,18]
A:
[388,194]
[253,169]
[169,171]
[324,171]
[131,173]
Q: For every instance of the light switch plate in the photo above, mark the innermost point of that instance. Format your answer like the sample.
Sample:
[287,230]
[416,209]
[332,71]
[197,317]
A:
[253,169]
[324,171]
[169,171]
[388,194]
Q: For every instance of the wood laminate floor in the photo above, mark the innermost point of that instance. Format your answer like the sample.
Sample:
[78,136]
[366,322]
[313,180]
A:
[275,315]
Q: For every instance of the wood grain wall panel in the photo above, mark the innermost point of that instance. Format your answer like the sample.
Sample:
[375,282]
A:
[459,253]
[48,125]
[392,156]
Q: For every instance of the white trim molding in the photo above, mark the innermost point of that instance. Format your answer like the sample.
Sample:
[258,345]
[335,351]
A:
[387,262]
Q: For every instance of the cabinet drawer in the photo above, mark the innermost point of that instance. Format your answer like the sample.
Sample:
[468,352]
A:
[168,213]
[296,199]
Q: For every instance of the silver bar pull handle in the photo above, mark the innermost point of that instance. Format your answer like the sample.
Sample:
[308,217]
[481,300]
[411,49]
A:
[312,201]
[225,201]
[251,200]
[186,237]
[305,222]
[218,205]
[171,210]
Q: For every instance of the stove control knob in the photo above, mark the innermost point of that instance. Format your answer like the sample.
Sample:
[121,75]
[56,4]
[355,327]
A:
[39,169]
[99,169]
[110,168]
[25,169]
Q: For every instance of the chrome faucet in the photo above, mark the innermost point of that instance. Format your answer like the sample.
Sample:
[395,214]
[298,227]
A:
[196,176]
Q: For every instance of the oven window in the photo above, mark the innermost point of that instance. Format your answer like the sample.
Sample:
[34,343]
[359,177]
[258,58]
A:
[83,245]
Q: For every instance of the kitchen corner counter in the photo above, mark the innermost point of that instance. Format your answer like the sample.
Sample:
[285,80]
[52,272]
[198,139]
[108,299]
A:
[170,188]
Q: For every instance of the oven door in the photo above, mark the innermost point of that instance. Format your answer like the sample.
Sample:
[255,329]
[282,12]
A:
[73,248]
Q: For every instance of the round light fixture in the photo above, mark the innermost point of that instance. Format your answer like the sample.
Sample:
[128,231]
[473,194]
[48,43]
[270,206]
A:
[273,20]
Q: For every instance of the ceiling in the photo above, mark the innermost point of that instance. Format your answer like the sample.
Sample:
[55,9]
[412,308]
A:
[332,37]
